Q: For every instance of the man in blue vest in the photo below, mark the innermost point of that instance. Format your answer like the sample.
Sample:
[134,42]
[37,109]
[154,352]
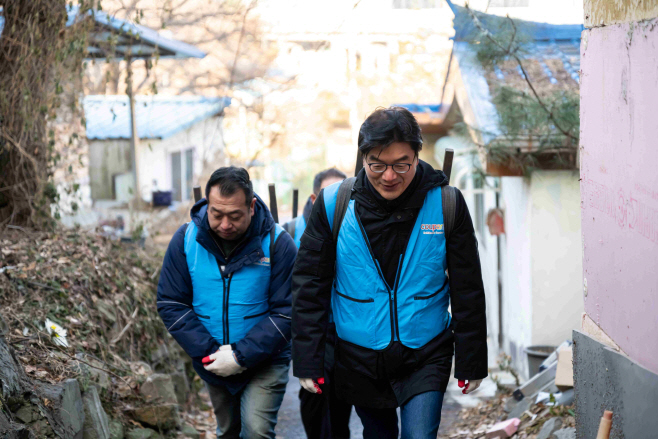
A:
[384,280]
[224,295]
[324,415]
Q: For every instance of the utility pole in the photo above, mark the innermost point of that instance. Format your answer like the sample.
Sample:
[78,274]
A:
[134,136]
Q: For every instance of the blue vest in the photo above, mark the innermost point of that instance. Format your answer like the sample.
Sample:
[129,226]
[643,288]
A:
[370,313]
[300,226]
[228,306]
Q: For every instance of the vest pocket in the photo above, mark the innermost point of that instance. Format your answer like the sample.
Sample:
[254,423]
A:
[355,319]
[354,299]
[427,297]
[257,315]
[244,316]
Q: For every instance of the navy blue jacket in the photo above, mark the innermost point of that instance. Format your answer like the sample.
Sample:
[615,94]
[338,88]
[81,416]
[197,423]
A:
[266,343]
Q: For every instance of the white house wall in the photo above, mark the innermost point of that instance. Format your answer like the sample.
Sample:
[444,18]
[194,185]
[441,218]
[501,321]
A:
[541,261]
[517,269]
[155,155]
[557,285]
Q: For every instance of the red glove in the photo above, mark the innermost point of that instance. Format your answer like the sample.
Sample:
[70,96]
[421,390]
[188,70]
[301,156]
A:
[312,385]
[462,383]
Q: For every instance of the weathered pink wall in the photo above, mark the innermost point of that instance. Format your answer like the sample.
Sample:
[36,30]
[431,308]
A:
[619,186]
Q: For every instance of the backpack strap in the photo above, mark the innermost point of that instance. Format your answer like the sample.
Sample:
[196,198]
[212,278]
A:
[342,201]
[272,243]
[290,227]
[449,200]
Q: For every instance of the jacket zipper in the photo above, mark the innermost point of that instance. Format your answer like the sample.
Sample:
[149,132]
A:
[395,294]
[381,275]
[227,290]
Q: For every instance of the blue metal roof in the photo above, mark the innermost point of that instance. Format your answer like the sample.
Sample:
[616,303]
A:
[141,40]
[548,42]
[465,29]
[158,117]
[420,108]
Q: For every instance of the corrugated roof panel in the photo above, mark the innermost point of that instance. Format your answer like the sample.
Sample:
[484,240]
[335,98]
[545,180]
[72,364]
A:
[144,36]
[158,117]
[465,29]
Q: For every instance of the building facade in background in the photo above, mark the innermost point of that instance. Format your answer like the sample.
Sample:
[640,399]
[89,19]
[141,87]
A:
[532,267]
[177,135]
[347,58]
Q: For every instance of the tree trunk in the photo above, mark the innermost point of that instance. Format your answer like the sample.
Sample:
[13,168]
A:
[31,40]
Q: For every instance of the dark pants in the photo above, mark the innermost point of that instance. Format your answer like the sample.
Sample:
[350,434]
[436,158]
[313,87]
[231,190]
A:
[420,419]
[252,413]
[325,416]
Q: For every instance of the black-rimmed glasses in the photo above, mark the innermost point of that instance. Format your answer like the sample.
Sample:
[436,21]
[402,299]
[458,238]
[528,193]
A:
[379,168]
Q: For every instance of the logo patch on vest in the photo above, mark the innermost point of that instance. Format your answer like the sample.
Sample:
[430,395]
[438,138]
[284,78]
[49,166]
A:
[432,229]
[265,262]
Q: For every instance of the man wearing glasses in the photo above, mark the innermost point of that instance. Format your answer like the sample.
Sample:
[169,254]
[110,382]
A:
[384,278]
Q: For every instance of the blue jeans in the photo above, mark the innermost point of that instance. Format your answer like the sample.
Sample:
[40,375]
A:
[420,418]
[251,413]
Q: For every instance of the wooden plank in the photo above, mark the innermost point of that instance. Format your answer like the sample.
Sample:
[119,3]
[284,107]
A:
[447,162]
[295,202]
[273,208]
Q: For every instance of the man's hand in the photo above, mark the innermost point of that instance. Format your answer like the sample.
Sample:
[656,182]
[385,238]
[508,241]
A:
[311,385]
[469,386]
[223,363]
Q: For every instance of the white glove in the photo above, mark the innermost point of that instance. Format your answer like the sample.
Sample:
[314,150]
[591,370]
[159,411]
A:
[310,385]
[469,385]
[224,363]
[226,347]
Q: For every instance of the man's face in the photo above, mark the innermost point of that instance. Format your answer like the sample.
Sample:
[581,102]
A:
[390,184]
[326,182]
[229,216]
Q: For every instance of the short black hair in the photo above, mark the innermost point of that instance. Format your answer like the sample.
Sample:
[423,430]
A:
[322,176]
[231,179]
[389,125]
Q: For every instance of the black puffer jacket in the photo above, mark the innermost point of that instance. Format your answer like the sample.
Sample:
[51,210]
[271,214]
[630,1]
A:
[388,378]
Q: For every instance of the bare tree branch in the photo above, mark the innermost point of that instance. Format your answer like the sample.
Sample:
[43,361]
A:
[513,54]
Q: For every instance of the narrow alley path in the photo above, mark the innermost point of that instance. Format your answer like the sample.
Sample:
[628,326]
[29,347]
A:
[290,423]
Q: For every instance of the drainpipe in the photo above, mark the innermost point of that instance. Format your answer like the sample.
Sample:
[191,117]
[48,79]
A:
[500,282]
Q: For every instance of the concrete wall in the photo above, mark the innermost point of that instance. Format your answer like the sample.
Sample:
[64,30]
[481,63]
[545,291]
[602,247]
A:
[557,301]
[606,379]
[107,158]
[619,108]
